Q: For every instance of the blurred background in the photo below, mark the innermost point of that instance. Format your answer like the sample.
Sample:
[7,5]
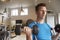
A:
[19,12]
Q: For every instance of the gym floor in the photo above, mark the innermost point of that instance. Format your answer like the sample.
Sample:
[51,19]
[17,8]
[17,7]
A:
[18,37]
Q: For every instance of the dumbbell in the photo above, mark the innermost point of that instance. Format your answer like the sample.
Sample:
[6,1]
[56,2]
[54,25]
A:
[57,28]
[35,29]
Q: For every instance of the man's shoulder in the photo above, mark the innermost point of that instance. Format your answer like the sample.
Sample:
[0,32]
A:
[49,26]
[31,24]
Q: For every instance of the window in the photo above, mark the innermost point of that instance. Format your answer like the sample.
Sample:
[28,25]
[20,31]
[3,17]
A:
[24,12]
[14,12]
[59,17]
[50,20]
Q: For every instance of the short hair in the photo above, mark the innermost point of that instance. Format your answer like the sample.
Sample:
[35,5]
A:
[39,5]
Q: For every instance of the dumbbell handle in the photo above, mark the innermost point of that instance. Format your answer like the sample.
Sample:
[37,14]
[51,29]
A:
[34,30]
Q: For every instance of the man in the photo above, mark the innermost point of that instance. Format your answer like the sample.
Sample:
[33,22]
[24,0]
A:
[44,28]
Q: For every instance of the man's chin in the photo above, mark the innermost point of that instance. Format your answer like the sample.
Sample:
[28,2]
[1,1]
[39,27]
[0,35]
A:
[42,18]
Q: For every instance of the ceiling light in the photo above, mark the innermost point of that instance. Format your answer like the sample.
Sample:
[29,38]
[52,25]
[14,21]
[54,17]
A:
[5,10]
[22,9]
[4,0]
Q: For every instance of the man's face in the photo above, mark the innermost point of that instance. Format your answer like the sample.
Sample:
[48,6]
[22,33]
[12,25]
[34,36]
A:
[41,13]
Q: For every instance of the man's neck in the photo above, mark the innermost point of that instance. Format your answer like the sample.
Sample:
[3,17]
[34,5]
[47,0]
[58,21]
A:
[40,20]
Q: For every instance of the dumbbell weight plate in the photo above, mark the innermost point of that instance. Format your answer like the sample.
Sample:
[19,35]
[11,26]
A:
[35,29]
[57,28]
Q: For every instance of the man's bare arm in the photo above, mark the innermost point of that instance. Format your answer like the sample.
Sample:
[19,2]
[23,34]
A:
[28,32]
[29,37]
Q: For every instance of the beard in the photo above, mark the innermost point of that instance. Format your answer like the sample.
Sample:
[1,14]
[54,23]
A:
[41,17]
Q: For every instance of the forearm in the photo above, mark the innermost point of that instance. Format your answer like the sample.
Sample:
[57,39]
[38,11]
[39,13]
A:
[29,37]
[55,37]
[28,32]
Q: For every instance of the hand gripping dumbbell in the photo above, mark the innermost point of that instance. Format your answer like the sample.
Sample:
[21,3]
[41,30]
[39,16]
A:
[34,30]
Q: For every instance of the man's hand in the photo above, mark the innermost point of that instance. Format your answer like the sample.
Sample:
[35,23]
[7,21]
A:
[28,32]
[55,37]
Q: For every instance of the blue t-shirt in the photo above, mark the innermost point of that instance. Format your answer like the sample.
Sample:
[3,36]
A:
[44,31]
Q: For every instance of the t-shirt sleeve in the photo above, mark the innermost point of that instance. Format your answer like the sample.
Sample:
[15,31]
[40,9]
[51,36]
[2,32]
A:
[31,25]
[52,30]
